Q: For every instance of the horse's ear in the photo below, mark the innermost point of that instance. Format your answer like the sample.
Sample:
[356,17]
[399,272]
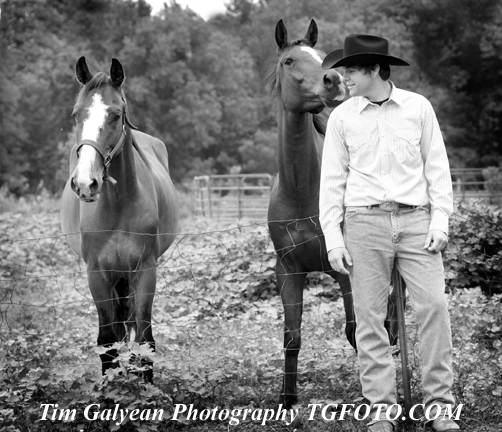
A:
[117,73]
[311,35]
[82,72]
[281,35]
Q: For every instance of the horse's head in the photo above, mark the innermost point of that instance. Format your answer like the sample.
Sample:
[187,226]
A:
[298,79]
[101,116]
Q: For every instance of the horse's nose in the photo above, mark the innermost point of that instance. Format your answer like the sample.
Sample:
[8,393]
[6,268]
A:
[331,79]
[93,187]
[327,81]
[85,190]
[74,187]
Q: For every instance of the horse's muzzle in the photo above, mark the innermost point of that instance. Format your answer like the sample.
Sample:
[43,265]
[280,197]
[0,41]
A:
[334,90]
[87,194]
[85,181]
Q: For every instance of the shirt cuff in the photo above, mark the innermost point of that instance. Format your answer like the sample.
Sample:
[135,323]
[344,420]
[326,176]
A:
[439,221]
[334,239]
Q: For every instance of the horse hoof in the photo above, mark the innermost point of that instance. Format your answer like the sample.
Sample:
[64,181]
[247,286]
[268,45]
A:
[287,402]
[350,334]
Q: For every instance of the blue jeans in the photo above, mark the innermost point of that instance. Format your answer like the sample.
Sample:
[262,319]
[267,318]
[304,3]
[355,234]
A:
[375,240]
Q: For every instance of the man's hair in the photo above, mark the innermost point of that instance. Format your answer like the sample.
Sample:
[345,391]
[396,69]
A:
[384,71]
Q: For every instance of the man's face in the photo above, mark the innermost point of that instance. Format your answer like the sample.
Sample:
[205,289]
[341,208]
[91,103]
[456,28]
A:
[357,81]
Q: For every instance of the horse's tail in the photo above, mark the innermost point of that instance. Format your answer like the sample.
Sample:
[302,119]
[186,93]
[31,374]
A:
[124,320]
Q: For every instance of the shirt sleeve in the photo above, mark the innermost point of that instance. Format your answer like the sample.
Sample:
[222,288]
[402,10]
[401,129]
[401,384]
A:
[436,170]
[334,172]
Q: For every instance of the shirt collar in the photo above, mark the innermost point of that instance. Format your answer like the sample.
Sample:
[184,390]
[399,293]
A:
[395,96]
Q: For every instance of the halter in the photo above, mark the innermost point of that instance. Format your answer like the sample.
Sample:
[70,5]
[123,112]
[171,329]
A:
[116,150]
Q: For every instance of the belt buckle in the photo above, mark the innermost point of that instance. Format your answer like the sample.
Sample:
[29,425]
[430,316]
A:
[389,206]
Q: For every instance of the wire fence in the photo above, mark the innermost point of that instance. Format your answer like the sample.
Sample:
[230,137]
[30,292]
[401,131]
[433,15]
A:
[217,312]
[195,259]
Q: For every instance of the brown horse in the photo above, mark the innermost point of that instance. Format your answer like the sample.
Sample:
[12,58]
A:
[118,209]
[305,94]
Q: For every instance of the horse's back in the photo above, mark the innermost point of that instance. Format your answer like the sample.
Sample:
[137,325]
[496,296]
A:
[153,148]
[153,152]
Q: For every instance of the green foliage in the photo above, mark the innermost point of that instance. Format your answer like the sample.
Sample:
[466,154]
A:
[43,201]
[493,178]
[457,46]
[477,321]
[218,329]
[474,255]
[200,86]
[28,385]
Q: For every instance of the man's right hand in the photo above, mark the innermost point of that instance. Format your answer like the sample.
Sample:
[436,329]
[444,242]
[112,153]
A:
[336,257]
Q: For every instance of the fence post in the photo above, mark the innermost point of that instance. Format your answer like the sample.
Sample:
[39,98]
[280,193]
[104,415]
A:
[239,201]
[405,369]
[209,196]
[200,197]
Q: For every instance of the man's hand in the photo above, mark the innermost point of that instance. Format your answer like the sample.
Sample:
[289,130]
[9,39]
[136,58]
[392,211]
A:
[336,257]
[436,241]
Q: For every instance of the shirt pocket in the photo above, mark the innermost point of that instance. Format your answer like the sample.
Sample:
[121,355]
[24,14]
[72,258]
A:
[408,145]
[359,149]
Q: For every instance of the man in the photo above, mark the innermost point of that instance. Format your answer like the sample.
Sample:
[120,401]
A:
[385,172]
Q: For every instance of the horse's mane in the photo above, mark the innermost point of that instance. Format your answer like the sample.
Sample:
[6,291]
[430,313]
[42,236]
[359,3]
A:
[274,86]
[321,121]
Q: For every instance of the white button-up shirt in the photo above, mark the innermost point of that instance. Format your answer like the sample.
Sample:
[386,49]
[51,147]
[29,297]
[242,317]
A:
[374,154]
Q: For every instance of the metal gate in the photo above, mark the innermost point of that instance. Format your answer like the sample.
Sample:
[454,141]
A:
[233,196]
[477,183]
[236,196]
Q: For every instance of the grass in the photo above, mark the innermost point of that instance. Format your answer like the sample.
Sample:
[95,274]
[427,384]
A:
[42,203]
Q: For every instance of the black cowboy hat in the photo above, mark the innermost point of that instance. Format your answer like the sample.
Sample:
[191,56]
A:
[359,48]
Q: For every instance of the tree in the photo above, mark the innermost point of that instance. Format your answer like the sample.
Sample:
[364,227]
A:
[201,88]
[458,47]
[41,42]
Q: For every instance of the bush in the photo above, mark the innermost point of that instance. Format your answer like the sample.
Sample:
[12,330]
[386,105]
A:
[218,327]
[473,257]
[477,339]
[44,201]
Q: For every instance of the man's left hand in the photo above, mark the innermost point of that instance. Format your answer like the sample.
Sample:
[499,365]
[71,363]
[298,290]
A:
[436,241]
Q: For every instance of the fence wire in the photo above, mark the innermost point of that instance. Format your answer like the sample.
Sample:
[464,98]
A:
[216,304]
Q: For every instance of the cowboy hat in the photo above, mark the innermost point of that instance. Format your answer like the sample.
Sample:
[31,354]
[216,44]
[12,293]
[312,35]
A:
[360,48]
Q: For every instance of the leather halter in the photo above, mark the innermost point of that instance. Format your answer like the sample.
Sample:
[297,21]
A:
[116,150]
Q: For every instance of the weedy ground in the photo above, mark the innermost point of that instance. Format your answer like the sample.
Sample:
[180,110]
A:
[217,321]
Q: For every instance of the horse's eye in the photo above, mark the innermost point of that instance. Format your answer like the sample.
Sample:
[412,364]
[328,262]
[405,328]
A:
[288,61]
[116,117]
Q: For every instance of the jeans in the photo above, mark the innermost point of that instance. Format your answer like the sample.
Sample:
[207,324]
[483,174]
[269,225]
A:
[376,239]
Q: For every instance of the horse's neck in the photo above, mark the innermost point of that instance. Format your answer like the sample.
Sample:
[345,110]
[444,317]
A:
[299,169]
[123,170]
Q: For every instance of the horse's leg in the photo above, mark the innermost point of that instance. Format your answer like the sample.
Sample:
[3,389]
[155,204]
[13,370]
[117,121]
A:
[291,288]
[348,305]
[391,322]
[102,293]
[143,287]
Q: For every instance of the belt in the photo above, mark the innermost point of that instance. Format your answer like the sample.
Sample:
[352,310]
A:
[390,206]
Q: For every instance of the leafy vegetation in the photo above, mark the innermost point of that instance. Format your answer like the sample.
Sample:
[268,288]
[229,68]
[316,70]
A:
[474,257]
[200,86]
[218,328]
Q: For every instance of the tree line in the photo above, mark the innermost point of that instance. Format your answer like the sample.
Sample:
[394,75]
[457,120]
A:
[200,85]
